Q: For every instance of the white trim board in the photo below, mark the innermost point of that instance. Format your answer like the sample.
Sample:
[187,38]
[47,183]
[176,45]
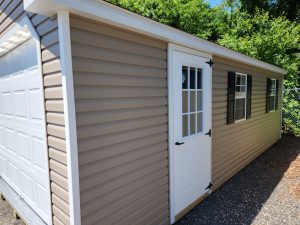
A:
[70,116]
[116,16]
[171,134]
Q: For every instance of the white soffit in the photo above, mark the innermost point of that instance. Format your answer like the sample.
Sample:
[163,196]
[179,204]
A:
[105,12]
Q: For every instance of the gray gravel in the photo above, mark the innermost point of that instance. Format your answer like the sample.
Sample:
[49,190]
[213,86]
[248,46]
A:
[6,215]
[267,192]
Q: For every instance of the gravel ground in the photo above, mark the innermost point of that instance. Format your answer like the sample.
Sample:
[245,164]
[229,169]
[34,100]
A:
[6,215]
[267,192]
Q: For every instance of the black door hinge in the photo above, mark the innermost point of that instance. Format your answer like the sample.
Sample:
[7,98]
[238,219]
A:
[208,133]
[210,62]
[209,186]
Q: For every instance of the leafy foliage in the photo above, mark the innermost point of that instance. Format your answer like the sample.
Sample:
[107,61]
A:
[263,29]
[288,8]
[291,111]
[192,16]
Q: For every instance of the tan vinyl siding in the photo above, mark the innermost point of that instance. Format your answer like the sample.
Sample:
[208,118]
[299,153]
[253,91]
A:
[47,29]
[10,11]
[120,81]
[236,145]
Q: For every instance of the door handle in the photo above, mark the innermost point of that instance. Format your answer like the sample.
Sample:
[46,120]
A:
[179,143]
[208,133]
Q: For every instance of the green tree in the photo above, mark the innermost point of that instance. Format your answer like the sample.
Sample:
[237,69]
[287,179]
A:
[193,16]
[288,8]
[273,40]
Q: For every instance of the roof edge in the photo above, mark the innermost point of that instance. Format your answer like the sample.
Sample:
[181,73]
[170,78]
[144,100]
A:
[106,12]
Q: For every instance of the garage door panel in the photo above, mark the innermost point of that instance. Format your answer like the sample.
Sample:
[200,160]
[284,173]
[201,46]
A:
[39,156]
[10,140]
[3,166]
[2,135]
[43,200]
[7,106]
[27,185]
[13,176]
[20,103]
[23,141]
[36,107]
[23,126]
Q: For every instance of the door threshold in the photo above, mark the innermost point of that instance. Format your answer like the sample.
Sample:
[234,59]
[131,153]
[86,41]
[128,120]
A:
[24,211]
[190,207]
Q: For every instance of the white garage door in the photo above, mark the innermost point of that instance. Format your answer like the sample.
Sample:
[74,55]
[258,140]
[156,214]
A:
[23,153]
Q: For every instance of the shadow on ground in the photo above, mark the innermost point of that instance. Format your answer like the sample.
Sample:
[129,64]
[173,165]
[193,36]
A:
[240,200]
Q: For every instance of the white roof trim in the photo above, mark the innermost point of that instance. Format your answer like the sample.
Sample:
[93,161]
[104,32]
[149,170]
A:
[108,13]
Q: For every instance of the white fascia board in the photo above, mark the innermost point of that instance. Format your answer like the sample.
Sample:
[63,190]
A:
[111,14]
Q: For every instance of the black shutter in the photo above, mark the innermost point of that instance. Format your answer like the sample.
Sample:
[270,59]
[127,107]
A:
[231,97]
[277,88]
[268,95]
[249,96]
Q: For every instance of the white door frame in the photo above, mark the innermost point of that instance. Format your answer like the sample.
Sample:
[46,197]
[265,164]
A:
[171,48]
[24,22]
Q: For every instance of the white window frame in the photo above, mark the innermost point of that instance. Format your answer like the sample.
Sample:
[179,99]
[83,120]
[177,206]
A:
[275,95]
[235,97]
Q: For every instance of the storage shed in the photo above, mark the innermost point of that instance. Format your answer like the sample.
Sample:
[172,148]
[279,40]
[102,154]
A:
[107,117]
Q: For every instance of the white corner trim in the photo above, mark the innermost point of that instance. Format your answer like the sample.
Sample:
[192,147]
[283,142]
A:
[111,14]
[70,116]
[171,134]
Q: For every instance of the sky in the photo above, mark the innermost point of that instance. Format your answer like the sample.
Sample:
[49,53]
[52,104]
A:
[214,2]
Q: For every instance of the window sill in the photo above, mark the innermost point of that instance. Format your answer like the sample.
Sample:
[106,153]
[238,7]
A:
[241,120]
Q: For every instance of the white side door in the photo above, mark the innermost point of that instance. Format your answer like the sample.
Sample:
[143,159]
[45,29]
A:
[192,123]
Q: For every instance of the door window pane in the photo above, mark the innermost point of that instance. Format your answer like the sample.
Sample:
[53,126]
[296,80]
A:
[184,77]
[199,79]
[185,126]
[193,124]
[199,100]
[199,122]
[192,78]
[192,100]
[184,101]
